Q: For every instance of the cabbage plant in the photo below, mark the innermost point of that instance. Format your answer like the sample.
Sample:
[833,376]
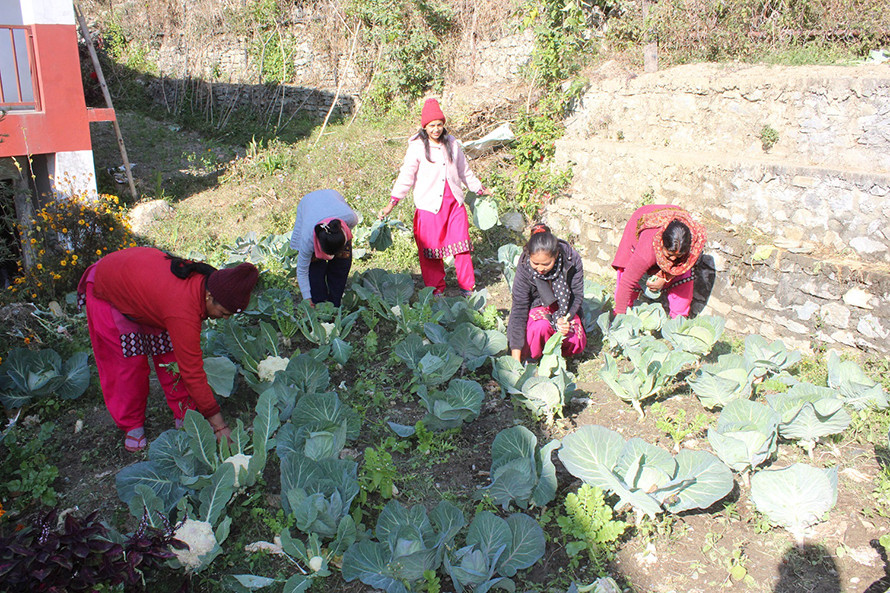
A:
[249,346]
[431,364]
[643,476]
[460,403]
[301,376]
[521,472]
[325,324]
[808,413]
[624,332]
[476,345]
[511,374]
[795,497]
[718,384]
[768,357]
[319,428]
[543,396]
[857,389]
[496,549]
[27,375]
[697,335]
[391,288]
[745,435]
[318,493]
[508,257]
[406,543]
[653,365]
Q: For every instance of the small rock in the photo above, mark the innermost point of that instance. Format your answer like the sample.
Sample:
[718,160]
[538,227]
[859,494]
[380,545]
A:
[78,426]
[864,555]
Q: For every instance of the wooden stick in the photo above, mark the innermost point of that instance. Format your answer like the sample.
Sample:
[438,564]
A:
[339,83]
[117,130]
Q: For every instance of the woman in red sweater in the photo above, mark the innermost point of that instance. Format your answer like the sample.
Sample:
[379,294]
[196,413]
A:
[663,244]
[140,302]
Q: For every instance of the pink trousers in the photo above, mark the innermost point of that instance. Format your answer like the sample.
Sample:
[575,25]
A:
[539,330]
[124,379]
[447,232]
[679,294]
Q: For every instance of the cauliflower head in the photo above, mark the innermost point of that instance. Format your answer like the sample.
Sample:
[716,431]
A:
[239,461]
[199,537]
[267,368]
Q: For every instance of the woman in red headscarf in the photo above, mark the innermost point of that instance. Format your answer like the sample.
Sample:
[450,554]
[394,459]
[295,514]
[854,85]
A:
[661,243]
[140,302]
[436,167]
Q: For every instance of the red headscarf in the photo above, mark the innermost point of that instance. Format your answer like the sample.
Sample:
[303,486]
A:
[660,219]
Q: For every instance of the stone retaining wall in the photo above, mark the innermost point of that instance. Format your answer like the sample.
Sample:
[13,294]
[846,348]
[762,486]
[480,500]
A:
[800,236]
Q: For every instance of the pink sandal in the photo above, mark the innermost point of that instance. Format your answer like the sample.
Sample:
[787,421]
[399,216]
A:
[133,443]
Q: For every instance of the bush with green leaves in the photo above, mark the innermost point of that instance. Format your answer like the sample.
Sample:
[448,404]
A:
[808,413]
[406,543]
[496,549]
[27,376]
[795,497]
[728,379]
[745,435]
[589,526]
[653,365]
[643,476]
[521,472]
[697,335]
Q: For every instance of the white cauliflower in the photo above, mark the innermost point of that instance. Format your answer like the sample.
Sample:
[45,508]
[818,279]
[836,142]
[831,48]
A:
[315,563]
[328,329]
[198,535]
[267,368]
[239,461]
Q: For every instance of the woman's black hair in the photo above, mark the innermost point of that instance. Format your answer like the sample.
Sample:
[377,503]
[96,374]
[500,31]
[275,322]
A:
[183,268]
[541,239]
[676,237]
[331,237]
[444,139]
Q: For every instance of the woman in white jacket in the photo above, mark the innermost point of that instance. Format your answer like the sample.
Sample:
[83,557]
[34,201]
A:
[436,167]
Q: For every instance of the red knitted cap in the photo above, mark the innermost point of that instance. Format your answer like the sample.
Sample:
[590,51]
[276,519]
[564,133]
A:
[431,112]
[231,287]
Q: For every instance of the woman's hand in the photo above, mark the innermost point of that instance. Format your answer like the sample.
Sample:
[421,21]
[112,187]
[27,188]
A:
[384,212]
[563,325]
[655,282]
[220,428]
[484,192]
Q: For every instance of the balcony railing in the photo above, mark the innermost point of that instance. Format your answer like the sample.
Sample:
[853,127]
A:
[18,74]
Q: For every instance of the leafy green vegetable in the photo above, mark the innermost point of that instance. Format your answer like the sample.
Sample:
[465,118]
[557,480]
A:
[476,345]
[508,257]
[408,543]
[857,389]
[460,403]
[485,212]
[624,332]
[696,335]
[795,497]
[809,413]
[521,472]
[220,375]
[495,546]
[318,493]
[324,323]
[772,357]
[392,289]
[511,374]
[728,379]
[644,476]
[431,364]
[745,435]
[653,365]
[320,427]
[26,376]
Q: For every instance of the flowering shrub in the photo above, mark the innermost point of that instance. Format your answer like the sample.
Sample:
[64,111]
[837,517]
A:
[68,234]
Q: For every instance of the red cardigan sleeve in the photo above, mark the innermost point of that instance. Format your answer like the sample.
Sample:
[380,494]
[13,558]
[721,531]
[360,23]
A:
[638,265]
[185,334]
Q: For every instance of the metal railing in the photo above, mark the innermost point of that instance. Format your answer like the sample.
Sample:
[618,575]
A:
[18,72]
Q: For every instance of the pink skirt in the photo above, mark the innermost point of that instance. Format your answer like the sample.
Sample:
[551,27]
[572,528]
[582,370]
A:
[444,233]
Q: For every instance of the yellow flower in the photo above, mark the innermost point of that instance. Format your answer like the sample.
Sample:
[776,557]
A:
[64,229]
[98,252]
[63,263]
[80,221]
[39,266]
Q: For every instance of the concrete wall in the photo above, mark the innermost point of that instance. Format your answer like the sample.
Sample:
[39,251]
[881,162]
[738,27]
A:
[800,234]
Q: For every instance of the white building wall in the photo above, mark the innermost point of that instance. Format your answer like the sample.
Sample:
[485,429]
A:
[45,12]
[73,173]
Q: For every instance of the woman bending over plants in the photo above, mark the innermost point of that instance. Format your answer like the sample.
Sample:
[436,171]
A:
[436,167]
[547,294]
[323,237]
[662,244]
[141,302]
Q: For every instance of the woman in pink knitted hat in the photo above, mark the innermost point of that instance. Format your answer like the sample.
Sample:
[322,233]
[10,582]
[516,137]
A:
[140,302]
[436,167]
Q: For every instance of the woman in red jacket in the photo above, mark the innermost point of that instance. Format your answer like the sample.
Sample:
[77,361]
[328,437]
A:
[140,302]
[663,244]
